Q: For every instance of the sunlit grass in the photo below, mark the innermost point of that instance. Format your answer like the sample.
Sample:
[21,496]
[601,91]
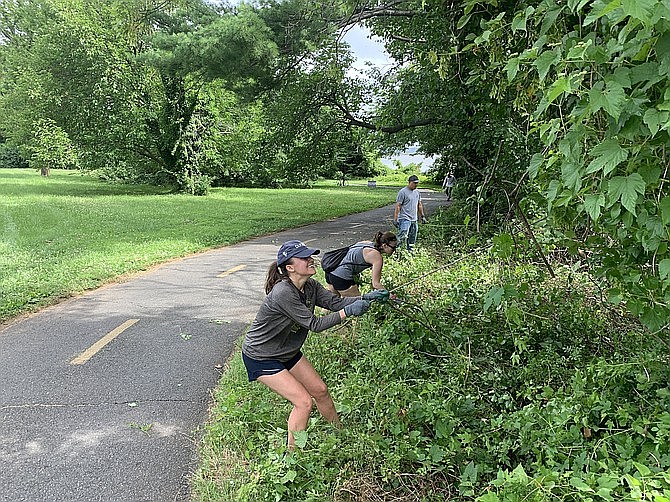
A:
[69,232]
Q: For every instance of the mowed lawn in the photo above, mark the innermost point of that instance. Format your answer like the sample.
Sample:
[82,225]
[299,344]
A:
[70,232]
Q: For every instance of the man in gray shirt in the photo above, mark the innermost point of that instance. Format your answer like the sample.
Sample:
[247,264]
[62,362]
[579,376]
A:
[408,210]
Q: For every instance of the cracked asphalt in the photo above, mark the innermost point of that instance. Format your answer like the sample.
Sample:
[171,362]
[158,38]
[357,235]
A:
[124,425]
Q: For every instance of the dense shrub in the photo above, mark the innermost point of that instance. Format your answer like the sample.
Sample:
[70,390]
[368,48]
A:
[485,379]
[10,157]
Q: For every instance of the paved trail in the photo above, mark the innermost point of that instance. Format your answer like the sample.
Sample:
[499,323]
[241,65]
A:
[103,395]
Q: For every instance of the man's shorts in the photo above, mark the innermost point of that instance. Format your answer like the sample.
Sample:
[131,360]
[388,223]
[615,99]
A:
[338,283]
[256,368]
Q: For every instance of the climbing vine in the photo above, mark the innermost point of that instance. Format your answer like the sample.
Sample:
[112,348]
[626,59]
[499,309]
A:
[592,79]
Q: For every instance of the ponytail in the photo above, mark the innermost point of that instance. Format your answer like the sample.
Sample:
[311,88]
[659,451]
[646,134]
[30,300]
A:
[275,275]
[383,238]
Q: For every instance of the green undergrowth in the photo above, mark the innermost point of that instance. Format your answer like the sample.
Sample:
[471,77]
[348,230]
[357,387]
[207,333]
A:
[466,388]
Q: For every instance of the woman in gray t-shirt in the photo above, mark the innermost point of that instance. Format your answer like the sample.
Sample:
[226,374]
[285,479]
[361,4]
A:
[361,256]
[272,347]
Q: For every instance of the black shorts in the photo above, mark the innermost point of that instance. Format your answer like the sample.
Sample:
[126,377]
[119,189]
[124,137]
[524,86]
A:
[338,283]
[256,368]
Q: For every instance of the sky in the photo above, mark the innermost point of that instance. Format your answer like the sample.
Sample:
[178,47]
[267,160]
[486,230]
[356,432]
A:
[367,48]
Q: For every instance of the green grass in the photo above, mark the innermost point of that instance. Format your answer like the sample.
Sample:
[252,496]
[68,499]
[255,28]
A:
[70,232]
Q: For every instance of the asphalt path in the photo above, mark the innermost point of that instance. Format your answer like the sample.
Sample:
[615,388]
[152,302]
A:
[103,396]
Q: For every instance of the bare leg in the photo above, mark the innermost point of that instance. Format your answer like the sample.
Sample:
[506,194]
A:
[305,373]
[352,291]
[332,289]
[287,386]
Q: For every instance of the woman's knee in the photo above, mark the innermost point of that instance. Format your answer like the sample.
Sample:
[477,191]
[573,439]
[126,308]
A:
[304,402]
[320,391]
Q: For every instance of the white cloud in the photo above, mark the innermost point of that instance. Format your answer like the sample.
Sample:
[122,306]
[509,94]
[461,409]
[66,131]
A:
[369,49]
[409,158]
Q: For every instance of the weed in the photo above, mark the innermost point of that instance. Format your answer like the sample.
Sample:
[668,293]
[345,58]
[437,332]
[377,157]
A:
[146,428]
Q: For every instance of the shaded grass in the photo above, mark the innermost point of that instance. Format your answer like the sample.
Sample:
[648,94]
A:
[70,232]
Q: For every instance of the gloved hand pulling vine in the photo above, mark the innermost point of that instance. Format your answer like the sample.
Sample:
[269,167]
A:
[359,307]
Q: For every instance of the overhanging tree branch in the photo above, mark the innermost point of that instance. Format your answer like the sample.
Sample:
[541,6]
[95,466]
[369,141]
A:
[390,9]
[351,120]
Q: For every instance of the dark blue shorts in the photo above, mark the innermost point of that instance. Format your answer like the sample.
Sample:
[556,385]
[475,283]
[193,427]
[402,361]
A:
[338,283]
[256,368]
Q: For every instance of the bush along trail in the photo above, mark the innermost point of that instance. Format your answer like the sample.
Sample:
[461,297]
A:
[487,379]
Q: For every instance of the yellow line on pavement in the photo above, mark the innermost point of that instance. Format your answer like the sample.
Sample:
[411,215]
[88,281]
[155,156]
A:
[232,270]
[97,346]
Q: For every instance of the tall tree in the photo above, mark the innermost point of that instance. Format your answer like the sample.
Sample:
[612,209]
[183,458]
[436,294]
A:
[587,83]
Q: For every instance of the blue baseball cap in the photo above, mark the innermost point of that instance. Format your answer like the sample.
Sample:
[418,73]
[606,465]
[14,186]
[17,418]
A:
[294,249]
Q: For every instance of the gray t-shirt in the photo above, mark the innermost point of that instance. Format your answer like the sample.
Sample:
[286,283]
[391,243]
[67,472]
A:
[354,262]
[282,322]
[409,204]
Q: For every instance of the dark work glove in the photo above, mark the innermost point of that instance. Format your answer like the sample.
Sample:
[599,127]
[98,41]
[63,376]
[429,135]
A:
[380,295]
[359,307]
[424,219]
[396,224]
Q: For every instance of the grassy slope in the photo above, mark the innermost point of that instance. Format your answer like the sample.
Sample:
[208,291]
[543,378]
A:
[68,233]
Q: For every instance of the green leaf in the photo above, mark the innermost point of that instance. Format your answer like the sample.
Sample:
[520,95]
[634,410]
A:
[576,5]
[544,62]
[650,174]
[639,9]
[550,18]
[503,245]
[605,493]
[664,268]
[594,15]
[596,99]
[288,477]
[664,207]
[493,297]
[571,175]
[622,76]
[512,68]
[606,156]
[519,22]
[534,166]
[627,188]
[614,99]
[484,37]
[578,51]
[557,88]
[470,473]
[463,21]
[300,438]
[654,318]
[655,119]
[580,485]
[593,204]
[552,190]
[519,474]
[615,297]
[436,453]
[443,429]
